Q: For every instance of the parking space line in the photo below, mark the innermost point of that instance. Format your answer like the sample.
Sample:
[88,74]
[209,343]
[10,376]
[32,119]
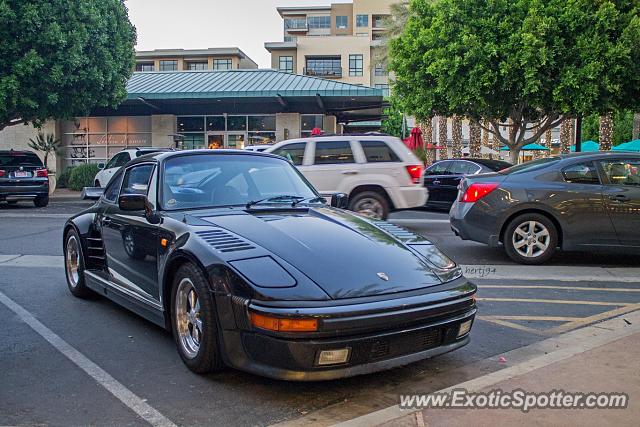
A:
[126,396]
[595,318]
[554,301]
[568,288]
[511,325]
[541,318]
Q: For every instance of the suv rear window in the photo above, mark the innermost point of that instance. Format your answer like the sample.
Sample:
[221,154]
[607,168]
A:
[378,151]
[333,152]
[20,159]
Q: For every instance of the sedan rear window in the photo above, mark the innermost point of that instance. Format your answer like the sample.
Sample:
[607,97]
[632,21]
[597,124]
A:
[20,159]
[530,166]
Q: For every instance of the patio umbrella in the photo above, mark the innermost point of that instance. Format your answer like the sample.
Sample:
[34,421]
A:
[530,147]
[587,146]
[628,146]
[415,139]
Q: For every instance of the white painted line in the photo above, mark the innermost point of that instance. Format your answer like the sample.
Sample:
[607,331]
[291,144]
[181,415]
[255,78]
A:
[552,273]
[31,261]
[546,353]
[126,396]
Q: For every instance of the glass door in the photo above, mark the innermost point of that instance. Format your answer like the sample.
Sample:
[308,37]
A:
[236,140]
[215,140]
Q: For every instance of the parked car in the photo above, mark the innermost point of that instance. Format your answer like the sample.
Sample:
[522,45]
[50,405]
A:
[258,148]
[242,259]
[122,158]
[23,177]
[378,172]
[442,178]
[574,202]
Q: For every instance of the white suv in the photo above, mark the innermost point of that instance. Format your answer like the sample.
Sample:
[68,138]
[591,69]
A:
[378,172]
[122,158]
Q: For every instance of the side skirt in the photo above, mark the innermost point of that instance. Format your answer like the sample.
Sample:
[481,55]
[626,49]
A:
[143,307]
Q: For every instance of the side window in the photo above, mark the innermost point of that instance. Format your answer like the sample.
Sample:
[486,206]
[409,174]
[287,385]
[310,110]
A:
[136,180]
[439,168]
[114,161]
[622,172]
[333,152]
[124,159]
[378,151]
[463,168]
[113,188]
[292,152]
[581,173]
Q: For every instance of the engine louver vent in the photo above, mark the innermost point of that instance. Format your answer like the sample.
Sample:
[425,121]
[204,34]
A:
[397,232]
[224,241]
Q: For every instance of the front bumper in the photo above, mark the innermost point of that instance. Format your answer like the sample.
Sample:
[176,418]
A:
[380,335]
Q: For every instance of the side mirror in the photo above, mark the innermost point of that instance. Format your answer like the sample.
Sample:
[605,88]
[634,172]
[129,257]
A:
[101,165]
[132,202]
[340,200]
[91,193]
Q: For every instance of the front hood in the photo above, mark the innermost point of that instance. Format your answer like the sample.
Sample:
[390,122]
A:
[344,254]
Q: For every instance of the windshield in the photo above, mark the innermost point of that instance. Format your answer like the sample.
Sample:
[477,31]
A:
[530,166]
[204,181]
[20,159]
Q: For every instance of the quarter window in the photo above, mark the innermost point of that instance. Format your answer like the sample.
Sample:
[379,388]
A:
[581,173]
[113,188]
[355,65]
[136,180]
[378,151]
[292,152]
[333,152]
[622,172]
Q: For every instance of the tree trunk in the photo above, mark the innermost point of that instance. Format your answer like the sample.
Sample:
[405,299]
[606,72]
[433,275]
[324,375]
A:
[426,127]
[485,137]
[442,137]
[456,150]
[547,139]
[475,137]
[606,132]
[636,126]
[565,137]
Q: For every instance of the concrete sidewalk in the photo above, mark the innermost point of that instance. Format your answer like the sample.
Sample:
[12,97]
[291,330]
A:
[65,194]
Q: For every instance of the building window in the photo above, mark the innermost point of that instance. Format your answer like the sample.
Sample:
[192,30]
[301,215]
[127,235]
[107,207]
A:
[315,22]
[379,21]
[222,64]
[290,39]
[342,22]
[145,66]
[362,20]
[286,64]
[169,65]
[295,24]
[262,130]
[308,122]
[355,65]
[385,89]
[197,65]
[323,66]
[191,124]
[380,70]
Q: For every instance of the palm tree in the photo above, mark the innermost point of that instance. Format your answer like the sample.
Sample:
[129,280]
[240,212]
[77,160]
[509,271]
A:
[394,26]
[565,137]
[456,129]
[443,137]
[547,139]
[475,136]
[636,126]
[46,144]
[606,131]
[426,126]
[485,135]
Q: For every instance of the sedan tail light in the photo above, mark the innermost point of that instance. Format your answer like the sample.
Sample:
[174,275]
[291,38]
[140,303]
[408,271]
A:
[2,173]
[415,172]
[42,173]
[477,191]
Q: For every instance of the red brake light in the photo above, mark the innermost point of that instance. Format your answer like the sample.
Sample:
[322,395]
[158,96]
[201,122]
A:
[477,191]
[42,173]
[415,172]
[2,173]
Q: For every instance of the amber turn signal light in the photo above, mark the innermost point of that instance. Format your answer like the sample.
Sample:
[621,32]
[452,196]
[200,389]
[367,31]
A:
[283,325]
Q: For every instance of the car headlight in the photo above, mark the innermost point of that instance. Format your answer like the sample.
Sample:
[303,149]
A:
[443,266]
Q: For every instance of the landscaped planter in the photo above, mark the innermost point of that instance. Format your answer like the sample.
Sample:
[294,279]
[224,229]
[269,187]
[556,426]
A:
[52,183]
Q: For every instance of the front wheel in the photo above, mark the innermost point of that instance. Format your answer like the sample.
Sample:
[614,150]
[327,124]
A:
[195,328]
[370,203]
[74,265]
[531,239]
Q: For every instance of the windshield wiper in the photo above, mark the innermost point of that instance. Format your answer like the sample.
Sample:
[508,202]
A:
[282,197]
[314,199]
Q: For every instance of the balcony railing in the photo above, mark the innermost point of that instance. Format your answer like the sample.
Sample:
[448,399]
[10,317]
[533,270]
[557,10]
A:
[295,25]
[326,72]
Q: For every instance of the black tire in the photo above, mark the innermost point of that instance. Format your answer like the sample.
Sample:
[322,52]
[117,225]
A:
[41,201]
[77,285]
[207,358]
[377,203]
[529,240]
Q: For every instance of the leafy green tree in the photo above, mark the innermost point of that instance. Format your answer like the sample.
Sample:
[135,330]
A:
[522,64]
[393,121]
[61,58]
[622,127]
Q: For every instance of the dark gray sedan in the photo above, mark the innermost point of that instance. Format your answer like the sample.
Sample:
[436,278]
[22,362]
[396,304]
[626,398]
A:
[573,202]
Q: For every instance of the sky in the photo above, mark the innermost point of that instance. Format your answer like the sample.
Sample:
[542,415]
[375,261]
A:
[199,24]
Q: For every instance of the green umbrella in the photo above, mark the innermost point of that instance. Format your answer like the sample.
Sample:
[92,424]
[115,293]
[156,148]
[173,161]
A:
[530,147]
[587,146]
[628,146]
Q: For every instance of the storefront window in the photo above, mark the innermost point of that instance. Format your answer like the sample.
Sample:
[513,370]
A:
[191,124]
[308,122]
[193,141]
[237,123]
[262,123]
[215,123]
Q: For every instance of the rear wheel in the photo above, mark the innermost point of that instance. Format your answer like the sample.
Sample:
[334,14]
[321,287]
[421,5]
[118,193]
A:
[41,201]
[370,203]
[195,328]
[74,265]
[531,239]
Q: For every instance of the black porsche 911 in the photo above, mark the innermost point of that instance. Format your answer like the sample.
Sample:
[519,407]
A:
[240,257]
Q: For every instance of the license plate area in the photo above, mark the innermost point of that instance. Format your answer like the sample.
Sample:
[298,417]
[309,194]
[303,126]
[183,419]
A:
[22,174]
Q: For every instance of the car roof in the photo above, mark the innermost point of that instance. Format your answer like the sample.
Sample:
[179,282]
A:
[163,156]
[19,152]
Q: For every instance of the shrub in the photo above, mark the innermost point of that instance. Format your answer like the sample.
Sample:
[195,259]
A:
[82,176]
[63,178]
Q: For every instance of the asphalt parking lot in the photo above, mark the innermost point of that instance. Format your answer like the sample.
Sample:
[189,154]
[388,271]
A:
[42,386]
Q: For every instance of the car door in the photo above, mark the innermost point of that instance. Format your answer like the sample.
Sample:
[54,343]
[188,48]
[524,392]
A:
[433,179]
[130,240]
[622,197]
[333,163]
[455,172]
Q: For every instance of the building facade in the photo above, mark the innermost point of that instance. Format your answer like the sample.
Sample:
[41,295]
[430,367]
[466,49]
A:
[338,42]
[218,59]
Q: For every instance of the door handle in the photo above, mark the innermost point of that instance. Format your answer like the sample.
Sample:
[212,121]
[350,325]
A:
[620,198]
[106,222]
[350,173]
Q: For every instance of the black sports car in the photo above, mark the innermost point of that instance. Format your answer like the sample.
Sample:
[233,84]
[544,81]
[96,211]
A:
[241,258]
